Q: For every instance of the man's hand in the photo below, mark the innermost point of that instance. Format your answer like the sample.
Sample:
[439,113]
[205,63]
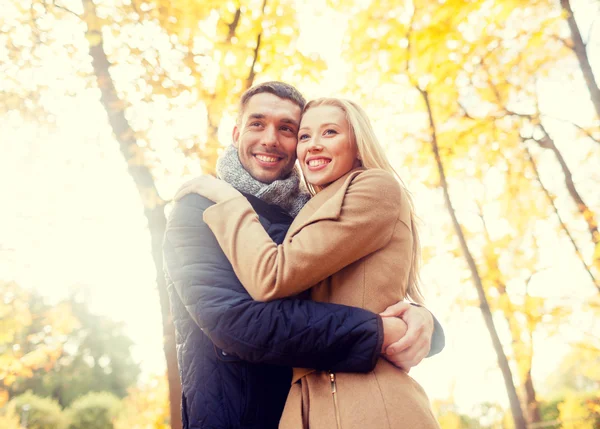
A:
[412,348]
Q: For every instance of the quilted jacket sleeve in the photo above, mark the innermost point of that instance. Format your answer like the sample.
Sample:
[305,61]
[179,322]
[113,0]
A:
[290,332]
[438,340]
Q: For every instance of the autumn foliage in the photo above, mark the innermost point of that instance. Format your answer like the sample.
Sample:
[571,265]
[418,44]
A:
[489,110]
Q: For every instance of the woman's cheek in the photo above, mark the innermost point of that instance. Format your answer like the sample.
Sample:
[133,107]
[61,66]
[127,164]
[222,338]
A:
[300,153]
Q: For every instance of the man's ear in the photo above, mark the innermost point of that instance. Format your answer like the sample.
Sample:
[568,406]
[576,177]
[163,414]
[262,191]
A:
[235,136]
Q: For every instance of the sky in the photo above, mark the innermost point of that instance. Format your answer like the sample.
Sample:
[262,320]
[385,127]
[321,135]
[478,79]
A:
[73,220]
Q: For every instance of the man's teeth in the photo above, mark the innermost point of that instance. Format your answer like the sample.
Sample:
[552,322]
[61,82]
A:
[317,162]
[267,158]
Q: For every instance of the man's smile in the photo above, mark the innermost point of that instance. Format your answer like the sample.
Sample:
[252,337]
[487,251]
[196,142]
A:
[267,160]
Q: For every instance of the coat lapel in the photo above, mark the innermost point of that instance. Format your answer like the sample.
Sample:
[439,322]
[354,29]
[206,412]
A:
[326,205]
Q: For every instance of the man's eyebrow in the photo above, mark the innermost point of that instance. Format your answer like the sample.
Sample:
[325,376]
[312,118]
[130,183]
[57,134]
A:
[290,121]
[256,116]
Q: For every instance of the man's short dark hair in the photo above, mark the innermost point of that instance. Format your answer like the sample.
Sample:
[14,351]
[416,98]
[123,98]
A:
[279,89]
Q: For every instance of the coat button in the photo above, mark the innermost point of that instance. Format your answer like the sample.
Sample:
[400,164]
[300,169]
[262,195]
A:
[223,353]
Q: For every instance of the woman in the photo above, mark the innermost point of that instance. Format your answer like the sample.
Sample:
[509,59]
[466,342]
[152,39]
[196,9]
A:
[354,238]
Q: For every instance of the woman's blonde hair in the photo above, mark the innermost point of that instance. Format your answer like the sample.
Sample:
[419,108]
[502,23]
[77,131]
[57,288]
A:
[372,155]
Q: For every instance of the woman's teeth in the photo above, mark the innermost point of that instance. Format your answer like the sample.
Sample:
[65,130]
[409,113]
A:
[317,162]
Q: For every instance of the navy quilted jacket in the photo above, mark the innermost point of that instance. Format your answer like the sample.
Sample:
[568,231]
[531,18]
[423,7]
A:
[234,353]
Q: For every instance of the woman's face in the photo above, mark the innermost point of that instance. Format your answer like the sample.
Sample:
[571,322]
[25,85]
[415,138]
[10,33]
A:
[326,150]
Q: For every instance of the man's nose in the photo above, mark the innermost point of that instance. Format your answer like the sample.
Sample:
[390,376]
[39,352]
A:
[269,136]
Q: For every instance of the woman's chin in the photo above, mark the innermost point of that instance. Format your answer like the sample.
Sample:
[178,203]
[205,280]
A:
[321,182]
[316,180]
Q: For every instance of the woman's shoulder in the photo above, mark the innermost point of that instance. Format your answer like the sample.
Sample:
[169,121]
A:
[378,182]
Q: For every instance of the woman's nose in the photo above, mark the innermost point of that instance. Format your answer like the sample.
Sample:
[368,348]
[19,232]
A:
[315,145]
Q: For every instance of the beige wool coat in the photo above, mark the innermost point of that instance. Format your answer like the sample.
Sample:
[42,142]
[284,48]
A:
[351,244]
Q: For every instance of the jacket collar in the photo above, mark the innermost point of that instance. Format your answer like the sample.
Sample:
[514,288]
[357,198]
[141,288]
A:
[326,205]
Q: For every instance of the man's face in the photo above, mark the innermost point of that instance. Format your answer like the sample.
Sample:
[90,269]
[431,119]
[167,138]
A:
[267,135]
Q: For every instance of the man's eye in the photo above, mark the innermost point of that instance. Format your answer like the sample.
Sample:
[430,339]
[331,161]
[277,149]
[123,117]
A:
[287,129]
[255,124]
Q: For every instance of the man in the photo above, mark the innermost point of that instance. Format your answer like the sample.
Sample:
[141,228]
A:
[234,353]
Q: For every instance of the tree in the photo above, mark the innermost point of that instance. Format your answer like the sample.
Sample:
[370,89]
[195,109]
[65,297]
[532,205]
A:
[96,357]
[146,406]
[574,414]
[442,51]
[162,56]
[580,50]
[97,410]
[530,122]
[36,412]
[33,335]
[241,35]
[425,30]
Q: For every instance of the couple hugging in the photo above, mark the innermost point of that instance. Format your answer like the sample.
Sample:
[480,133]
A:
[266,274]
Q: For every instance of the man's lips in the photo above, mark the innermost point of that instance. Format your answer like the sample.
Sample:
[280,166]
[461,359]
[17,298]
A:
[267,160]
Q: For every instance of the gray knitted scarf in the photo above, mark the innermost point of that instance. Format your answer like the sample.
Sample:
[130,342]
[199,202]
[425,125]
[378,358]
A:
[288,193]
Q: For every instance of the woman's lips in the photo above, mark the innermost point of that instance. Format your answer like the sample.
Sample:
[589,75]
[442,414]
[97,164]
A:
[316,164]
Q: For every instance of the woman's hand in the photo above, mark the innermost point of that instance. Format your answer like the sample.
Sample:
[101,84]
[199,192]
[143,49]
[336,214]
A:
[210,187]
[394,329]
[415,344]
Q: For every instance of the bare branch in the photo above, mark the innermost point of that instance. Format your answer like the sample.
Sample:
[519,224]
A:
[66,9]
[579,127]
[252,73]
[563,226]
[234,24]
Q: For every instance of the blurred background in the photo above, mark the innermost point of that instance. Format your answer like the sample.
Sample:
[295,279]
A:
[488,109]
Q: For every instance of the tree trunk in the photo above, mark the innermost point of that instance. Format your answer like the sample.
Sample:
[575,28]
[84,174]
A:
[533,406]
[522,352]
[517,412]
[560,220]
[153,205]
[582,56]
[252,72]
[588,215]
[210,152]
[529,394]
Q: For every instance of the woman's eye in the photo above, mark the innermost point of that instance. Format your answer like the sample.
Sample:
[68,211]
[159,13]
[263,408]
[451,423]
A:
[330,132]
[303,137]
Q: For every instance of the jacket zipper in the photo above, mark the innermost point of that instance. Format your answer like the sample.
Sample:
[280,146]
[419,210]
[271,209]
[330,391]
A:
[335,400]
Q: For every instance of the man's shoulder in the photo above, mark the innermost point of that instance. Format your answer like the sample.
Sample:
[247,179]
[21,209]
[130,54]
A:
[188,211]
[194,201]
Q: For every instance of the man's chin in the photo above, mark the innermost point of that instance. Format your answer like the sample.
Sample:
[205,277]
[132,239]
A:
[266,177]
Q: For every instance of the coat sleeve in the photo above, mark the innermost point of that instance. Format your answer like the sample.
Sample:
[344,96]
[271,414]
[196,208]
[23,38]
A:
[438,339]
[369,212]
[290,332]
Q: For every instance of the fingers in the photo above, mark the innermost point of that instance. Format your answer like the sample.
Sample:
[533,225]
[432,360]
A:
[182,192]
[410,350]
[396,310]
[404,343]
[410,357]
